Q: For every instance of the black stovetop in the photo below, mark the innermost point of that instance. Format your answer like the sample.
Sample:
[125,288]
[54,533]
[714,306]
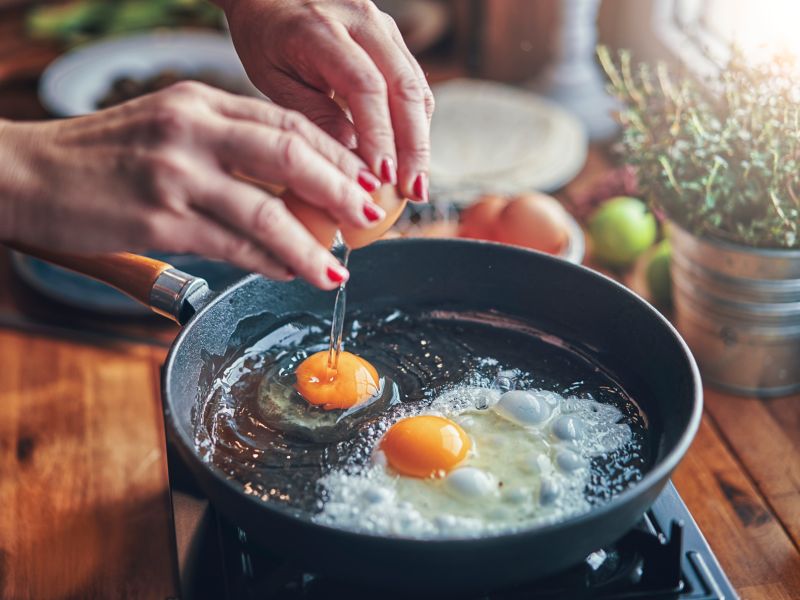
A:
[664,556]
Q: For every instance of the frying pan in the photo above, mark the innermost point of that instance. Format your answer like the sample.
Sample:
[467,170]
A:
[616,328]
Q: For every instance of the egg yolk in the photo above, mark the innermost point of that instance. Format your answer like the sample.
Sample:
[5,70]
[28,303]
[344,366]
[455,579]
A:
[425,446]
[352,382]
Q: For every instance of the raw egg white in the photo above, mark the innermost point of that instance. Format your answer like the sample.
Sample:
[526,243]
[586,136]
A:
[476,461]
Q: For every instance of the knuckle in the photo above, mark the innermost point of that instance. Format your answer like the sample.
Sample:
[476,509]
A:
[368,82]
[167,172]
[322,25]
[430,101]
[380,137]
[268,218]
[344,195]
[419,154]
[293,121]
[169,121]
[391,24]
[291,152]
[167,165]
[367,8]
[408,89]
[188,88]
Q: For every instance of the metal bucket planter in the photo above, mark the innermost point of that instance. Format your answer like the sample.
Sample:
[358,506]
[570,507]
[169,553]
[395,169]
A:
[739,310]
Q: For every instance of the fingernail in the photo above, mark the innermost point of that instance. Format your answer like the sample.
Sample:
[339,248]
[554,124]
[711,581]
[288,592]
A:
[368,181]
[338,274]
[373,212]
[388,171]
[420,187]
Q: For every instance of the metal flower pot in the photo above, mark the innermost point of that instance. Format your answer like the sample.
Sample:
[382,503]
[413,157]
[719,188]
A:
[739,310]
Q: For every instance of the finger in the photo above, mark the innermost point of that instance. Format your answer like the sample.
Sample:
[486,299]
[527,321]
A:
[394,30]
[407,105]
[351,73]
[267,113]
[283,157]
[266,220]
[213,240]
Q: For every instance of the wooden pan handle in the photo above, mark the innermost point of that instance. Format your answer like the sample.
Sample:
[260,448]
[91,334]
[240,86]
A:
[130,273]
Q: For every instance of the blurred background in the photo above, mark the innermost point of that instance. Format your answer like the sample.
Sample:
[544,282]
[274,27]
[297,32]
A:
[507,40]
[522,106]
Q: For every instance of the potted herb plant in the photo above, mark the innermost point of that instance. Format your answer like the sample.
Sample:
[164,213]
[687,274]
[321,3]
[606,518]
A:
[719,158]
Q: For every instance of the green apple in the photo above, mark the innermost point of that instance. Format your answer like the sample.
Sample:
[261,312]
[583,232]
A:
[621,229]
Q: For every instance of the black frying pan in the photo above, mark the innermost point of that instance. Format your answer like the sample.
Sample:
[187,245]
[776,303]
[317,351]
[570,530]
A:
[616,328]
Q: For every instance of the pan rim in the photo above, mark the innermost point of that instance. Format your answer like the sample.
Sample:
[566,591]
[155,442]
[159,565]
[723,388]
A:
[661,471]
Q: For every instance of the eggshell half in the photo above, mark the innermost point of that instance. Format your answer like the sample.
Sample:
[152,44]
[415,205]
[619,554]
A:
[389,200]
[323,227]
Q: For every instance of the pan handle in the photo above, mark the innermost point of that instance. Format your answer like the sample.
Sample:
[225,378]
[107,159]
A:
[157,284]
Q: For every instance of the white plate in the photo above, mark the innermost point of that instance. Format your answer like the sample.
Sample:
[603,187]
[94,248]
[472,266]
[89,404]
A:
[489,137]
[73,83]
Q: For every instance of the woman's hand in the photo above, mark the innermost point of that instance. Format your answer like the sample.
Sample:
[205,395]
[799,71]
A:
[301,53]
[156,173]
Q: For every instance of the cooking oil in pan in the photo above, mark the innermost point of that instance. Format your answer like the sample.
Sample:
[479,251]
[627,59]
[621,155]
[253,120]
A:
[328,465]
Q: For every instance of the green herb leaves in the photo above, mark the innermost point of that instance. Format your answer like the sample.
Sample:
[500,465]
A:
[720,157]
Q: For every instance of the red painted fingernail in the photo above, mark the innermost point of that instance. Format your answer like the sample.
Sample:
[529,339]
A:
[421,187]
[388,171]
[372,212]
[368,181]
[337,274]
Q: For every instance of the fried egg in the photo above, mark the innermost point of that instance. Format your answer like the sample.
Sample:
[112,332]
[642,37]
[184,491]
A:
[350,383]
[324,404]
[425,446]
[475,461]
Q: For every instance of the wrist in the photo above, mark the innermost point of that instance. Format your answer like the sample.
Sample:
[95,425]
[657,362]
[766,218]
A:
[17,173]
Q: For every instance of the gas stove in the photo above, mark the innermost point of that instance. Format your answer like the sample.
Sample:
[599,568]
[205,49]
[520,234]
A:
[664,556]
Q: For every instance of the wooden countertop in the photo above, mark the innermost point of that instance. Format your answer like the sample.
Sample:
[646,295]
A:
[83,476]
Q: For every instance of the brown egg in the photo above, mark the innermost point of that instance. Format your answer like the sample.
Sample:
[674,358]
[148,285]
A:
[534,221]
[317,221]
[323,227]
[478,221]
[389,200]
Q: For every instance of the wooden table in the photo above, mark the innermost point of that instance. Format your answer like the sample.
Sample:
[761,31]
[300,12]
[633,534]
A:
[83,477]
